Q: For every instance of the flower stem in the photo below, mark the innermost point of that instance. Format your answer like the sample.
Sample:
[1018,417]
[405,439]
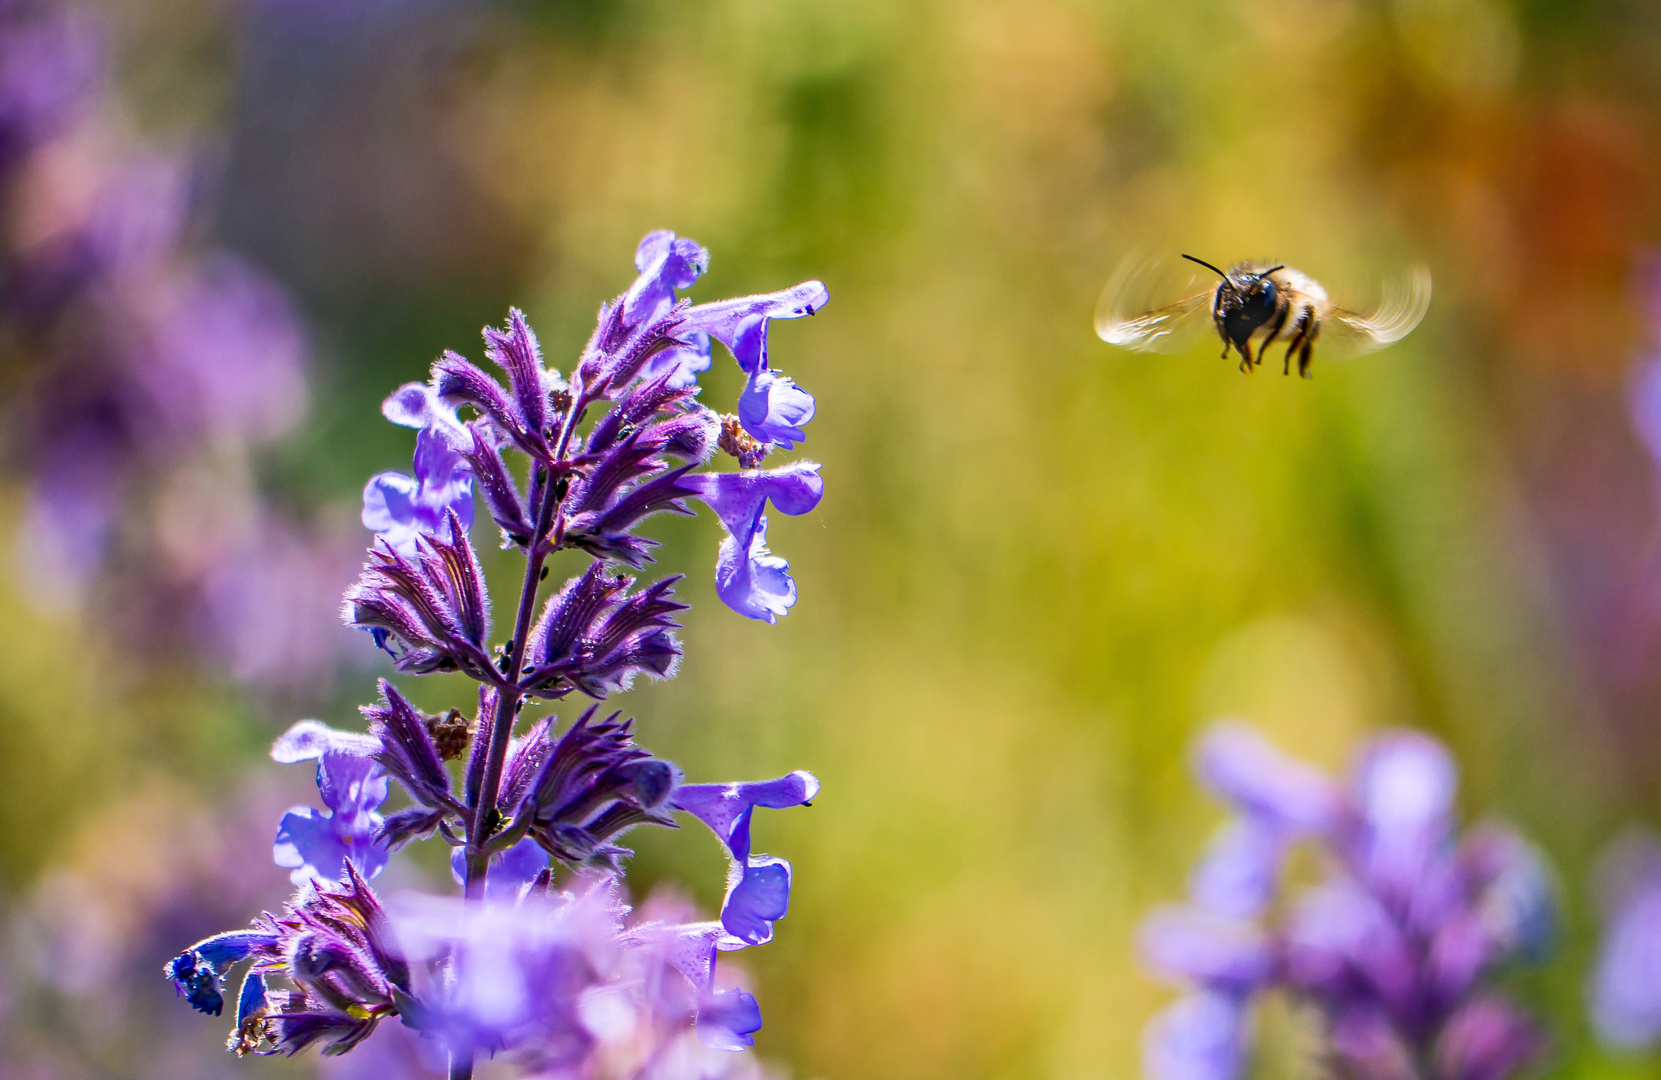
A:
[501,729]
[484,821]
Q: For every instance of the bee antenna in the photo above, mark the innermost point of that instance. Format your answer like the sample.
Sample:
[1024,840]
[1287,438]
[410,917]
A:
[1272,269]
[1207,265]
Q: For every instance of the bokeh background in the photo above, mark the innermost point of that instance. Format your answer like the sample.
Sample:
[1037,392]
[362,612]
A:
[1041,565]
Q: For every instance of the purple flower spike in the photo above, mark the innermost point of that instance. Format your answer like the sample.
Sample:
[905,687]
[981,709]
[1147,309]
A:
[1200,1037]
[750,579]
[317,845]
[758,887]
[1393,948]
[401,508]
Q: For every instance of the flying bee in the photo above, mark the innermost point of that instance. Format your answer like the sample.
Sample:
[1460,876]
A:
[1268,302]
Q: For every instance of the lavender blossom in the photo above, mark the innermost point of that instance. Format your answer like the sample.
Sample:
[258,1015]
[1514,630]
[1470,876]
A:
[749,578]
[1393,947]
[401,507]
[317,845]
[758,886]
[557,980]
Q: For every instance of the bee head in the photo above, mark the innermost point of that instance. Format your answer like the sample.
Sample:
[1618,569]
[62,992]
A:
[1246,299]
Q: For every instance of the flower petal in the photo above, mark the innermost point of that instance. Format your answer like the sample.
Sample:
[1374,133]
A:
[773,409]
[1187,944]
[309,740]
[1258,780]
[1200,1037]
[741,323]
[749,578]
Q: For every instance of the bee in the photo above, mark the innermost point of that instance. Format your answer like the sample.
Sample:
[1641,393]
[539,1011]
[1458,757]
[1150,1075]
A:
[1269,302]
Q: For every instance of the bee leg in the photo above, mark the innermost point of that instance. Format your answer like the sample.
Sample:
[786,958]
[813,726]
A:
[1274,332]
[1306,355]
[1246,361]
[1300,331]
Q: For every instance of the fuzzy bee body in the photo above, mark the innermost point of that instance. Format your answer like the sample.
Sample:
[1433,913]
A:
[1265,303]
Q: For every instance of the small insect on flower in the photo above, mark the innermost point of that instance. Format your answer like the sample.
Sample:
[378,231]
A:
[1266,301]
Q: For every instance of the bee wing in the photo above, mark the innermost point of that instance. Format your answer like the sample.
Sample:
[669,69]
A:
[1137,311]
[1404,303]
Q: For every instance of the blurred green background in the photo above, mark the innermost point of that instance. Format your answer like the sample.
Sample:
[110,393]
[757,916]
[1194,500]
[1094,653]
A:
[1041,564]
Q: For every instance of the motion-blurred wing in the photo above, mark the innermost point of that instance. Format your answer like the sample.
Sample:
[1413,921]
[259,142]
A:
[1137,311]
[1350,333]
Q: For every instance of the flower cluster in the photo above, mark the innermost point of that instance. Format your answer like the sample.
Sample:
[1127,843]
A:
[1394,948]
[539,959]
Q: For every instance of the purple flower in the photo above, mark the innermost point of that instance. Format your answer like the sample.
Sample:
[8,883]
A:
[1264,784]
[1393,947]
[1200,1037]
[511,871]
[400,507]
[1625,986]
[750,579]
[772,407]
[335,947]
[1487,1039]
[197,973]
[758,886]
[1191,945]
[516,970]
[667,263]
[49,64]
[726,1019]
[229,356]
[317,845]
[309,740]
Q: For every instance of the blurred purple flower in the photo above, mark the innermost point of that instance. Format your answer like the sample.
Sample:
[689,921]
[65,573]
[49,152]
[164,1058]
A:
[229,356]
[50,63]
[516,970]
[317,845]
[1625,986]
[1392,947]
